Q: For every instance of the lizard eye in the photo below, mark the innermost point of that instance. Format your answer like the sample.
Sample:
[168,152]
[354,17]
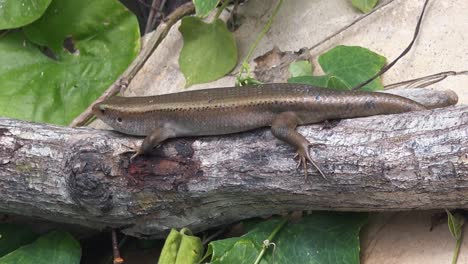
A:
[119,119]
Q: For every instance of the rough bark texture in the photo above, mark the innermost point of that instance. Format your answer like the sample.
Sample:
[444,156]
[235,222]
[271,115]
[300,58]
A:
[416,160]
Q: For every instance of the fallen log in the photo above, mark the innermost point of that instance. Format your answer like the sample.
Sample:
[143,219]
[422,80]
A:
[82,176]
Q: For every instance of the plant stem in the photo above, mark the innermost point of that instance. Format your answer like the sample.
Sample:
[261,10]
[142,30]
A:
[264,31]
[152,15]
[457,249]
[270,237]
[221,8]
[244,68]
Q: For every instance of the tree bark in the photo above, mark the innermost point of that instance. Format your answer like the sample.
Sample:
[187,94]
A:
[416,160]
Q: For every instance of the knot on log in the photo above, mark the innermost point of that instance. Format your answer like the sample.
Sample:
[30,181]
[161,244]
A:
[87,182]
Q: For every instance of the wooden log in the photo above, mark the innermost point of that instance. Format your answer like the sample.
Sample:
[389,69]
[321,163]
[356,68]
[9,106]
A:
[416,160]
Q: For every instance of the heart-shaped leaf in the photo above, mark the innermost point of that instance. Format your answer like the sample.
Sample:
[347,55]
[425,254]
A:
[12,236]
[14,13]
[204,7]
[317,238]
[55,247]
[300,68]
[101,39]
[209,50]
[364,5]
[346,67]
[181,248]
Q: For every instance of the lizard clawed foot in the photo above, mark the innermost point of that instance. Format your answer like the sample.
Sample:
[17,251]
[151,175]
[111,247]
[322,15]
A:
[132,148]
[303,157]
[143,150]
[137,153]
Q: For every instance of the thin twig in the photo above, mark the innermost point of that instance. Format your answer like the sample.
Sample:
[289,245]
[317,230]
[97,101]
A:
[145,4]
[159,14]
[152,15]
[425,80]
[380,7]
[115,249]
[408,48]
[125,78]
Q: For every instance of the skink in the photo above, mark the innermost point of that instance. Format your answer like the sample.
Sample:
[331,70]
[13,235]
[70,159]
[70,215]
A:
[221,111]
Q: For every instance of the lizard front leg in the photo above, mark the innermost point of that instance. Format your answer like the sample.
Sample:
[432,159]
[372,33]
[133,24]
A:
[283,127]
[153,140]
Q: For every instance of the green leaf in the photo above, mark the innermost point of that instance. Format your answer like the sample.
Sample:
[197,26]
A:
[14,13]
[346,67]
[321,237]
[170,248]
[300,68]
[12,236]
[353,65]
[34,87]
[244,249]
[364,5]
[455,224]
[204,7]
[209,50]
[83,21]
[336,83]
[181,248]
[190,250]
[245,76]
[55,247]
[320,81]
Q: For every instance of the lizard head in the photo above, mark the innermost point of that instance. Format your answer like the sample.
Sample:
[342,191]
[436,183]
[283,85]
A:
[116,113]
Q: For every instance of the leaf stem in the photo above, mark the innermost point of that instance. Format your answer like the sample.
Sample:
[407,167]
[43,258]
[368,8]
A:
[271,236]
[244,67]
[264,31]
[221,8]
[457,249]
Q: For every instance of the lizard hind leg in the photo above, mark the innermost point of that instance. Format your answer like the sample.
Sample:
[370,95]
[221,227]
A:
[284,128]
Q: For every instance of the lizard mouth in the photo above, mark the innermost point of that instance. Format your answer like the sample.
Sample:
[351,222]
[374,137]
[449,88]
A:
[98,109]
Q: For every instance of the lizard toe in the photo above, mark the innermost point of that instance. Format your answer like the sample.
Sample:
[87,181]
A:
[304,158]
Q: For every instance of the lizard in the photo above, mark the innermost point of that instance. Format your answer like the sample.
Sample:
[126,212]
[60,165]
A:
[221,111]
